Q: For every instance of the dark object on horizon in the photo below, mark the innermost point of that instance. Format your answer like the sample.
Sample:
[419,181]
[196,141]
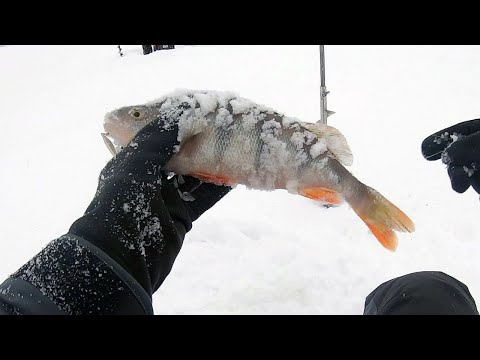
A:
[147,49]
[120,50]
[163,47]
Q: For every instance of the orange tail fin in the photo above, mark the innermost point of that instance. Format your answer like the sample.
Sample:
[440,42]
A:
[383,218]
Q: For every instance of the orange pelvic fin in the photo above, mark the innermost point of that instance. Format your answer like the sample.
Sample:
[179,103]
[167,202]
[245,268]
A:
[322,194]
[214,179]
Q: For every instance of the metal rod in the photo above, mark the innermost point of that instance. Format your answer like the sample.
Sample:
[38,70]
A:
[322,65]
[324,113]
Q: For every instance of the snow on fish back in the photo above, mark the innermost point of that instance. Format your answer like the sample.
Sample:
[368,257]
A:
[226,139]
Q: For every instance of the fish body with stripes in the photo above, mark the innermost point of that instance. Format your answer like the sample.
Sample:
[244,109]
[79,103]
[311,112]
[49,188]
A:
[227,140]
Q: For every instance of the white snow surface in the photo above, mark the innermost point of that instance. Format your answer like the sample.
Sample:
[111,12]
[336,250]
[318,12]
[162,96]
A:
[254,252]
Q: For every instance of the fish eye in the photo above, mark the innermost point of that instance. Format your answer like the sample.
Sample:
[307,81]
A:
[136,114]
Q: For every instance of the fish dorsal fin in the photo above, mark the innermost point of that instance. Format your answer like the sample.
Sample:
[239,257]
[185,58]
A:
[336,142]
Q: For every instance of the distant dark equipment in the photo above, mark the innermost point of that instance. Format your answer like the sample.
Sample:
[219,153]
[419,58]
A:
[120,50]
[147,49]
[163,47]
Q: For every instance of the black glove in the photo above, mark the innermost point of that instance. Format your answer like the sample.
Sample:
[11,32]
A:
[125,243]
[459,148]
[138,216]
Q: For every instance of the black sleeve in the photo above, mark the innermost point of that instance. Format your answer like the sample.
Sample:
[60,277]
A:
[72,276]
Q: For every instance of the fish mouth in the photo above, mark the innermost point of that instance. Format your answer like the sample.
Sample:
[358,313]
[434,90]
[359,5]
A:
[109,144]
[109,129]
[120,135]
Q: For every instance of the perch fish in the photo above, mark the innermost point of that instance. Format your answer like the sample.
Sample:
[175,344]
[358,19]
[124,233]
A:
[228,140]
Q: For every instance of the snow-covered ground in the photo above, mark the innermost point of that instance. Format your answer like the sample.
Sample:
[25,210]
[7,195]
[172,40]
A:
[254,252]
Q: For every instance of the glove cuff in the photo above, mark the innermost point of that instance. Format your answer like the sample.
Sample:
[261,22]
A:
[79,278]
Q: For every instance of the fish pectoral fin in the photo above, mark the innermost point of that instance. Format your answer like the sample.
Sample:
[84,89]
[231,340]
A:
[214,179]
[323,195]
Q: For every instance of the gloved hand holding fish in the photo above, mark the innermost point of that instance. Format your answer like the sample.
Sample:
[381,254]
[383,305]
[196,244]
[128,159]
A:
[228,140]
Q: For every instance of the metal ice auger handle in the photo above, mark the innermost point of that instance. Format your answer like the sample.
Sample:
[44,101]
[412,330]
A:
[324,113]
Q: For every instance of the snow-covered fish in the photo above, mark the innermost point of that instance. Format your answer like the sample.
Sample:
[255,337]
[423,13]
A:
[229,140]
